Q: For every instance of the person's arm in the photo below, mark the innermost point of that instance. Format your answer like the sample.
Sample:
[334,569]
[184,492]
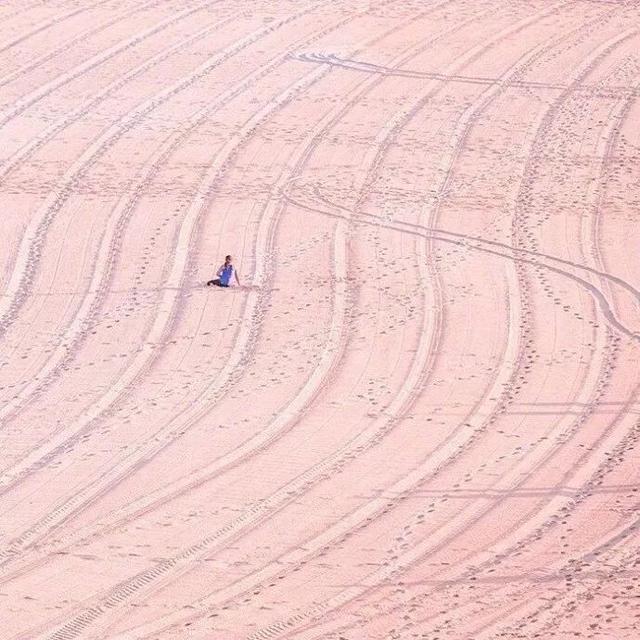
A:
[219,271]
[235,273]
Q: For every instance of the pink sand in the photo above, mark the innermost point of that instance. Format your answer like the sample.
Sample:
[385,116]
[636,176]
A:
[417,416]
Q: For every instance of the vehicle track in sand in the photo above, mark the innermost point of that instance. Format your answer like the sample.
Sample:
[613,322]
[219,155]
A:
[45,24]
[375,164]
[27,257]
[85,35]
[321,610]
[305,149]
[231,147]
[605,439]
[77,331]
[445,445]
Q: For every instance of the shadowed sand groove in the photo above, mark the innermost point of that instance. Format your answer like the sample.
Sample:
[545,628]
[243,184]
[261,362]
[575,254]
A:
[418,417]
[373,68]
[308,391]
[46,24]
[350,594]
[74,41]
[125,209]
[185,419]
[407,393]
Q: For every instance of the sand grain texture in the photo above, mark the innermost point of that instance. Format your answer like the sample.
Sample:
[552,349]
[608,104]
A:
[417,418]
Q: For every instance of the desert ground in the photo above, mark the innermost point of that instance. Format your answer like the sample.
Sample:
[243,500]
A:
[417,417]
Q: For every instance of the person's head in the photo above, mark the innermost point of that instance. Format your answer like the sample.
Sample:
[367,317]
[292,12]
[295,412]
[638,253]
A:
[228,259]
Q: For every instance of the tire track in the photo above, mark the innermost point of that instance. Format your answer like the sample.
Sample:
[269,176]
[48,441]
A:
[125,124]
[607,142]
[56,83]
[522,233]
[289,492]
[47,24]
[616,564]
[254,583]
[305,156]
[76,330]
[560,509]
[584,418]
[35,63]
[239,354]
[20,11]
[31,243]
[13,161]
[434,544]
[407,559]
[74,115]
[125,209]
[611,135]
[608,555]
[357,65]
[565,508]
[383,575]
[520,536]
[65,122]
[208,477]
[484,245]
[274,430]
[470,239]
[296,620]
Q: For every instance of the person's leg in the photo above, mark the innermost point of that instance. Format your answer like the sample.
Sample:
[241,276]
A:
[215,282]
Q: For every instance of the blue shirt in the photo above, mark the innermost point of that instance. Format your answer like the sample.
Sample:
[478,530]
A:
[226,273]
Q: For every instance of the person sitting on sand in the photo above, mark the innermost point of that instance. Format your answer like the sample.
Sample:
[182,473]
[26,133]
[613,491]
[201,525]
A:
[225,273]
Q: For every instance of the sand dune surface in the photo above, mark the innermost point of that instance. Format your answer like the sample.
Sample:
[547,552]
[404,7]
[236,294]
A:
[417,416]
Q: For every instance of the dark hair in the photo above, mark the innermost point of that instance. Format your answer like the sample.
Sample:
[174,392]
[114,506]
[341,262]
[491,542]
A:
[227,257]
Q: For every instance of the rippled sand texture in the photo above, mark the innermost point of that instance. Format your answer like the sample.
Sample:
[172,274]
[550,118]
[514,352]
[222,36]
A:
[419,415]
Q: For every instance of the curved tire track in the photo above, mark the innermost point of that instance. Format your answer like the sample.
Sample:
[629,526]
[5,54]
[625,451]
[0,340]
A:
[421,550]
[239,352]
